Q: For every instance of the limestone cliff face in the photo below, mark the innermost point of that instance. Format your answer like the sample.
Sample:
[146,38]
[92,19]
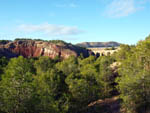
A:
[31,48]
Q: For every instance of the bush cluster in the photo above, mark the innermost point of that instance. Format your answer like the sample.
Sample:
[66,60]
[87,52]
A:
[44,85]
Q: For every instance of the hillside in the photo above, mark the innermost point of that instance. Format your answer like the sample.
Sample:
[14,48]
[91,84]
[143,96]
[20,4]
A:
[36,48]
[98,44]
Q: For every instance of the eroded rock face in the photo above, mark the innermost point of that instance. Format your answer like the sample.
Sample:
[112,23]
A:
[31,48]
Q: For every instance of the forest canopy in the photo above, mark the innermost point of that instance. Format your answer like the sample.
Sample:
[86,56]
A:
[44,85]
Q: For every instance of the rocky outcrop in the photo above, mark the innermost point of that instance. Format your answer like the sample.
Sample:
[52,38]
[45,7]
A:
[32,48]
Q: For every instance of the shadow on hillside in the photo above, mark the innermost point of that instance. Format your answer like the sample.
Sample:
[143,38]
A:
[111,105]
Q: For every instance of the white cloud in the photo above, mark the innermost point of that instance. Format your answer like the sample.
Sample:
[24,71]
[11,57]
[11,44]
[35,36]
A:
[50,29]
[121,8]
[51,14]
[71,5]
[61,5]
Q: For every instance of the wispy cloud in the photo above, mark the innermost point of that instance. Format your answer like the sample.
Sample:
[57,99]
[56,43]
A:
[49,29]
[73,5]
[122,8]
[51,14]
[70,5]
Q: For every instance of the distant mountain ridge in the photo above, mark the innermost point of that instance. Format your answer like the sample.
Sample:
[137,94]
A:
[98,44]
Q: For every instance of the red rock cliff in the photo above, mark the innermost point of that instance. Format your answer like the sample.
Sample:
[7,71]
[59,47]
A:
[31,48]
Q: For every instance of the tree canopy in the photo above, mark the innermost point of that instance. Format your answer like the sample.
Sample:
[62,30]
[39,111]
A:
[44,85]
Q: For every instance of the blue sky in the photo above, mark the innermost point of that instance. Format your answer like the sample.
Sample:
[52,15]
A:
[124,21]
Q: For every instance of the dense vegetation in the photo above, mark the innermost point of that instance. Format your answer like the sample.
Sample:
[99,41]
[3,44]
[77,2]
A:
[4,41]
[44,85]
[51,41]
[134,80]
